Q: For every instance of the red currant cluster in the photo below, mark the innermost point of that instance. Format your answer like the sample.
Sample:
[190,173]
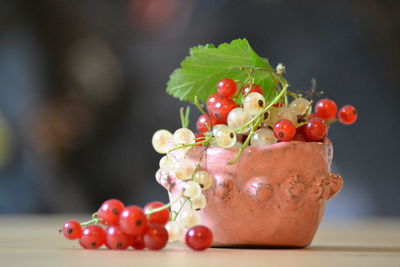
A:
[132,226]
[286,121]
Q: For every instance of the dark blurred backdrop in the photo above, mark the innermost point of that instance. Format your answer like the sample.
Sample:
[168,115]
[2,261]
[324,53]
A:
[82,89]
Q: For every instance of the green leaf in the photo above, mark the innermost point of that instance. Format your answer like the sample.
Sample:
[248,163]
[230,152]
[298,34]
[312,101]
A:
[206,65]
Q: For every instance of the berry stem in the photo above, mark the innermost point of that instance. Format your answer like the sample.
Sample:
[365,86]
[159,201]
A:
[199,106]
[90,222]
[180,209]
[208,139]
[166,206]
[184,116]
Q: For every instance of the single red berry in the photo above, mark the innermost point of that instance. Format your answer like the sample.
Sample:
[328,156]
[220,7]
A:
[347,115]
[138,242]
[255,88]
[116,239]
[211,100]
[156,237]
[284,130]
[93,236]
[199,137]
[227,87]
[110,211]
[300,134]
[199,237]
[72,229]
[221,108]
[326,109]
[204,123]
[160,217]
[133,220]
[316,129]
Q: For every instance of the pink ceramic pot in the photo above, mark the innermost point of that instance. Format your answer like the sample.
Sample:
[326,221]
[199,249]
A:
[273,196]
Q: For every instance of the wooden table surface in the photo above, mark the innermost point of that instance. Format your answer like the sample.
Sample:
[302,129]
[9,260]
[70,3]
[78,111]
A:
[34,241]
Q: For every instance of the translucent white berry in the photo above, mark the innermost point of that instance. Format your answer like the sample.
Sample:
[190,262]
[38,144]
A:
[183,169]
[199,202]
[204,179]
[183,136]
[237,118]
[254,103]
[237,144]
[189,218]
[224,136]
[160,141]
[299,106]
[192,189]
[167,163]
[263,137]
[175,231]
[282,113]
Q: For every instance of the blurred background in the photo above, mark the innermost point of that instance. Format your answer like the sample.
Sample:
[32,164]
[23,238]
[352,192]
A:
[82,90]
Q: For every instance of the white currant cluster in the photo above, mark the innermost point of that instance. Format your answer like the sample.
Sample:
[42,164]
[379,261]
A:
[194,181]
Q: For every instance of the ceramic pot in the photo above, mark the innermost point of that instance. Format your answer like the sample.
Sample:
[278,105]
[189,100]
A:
[273,196]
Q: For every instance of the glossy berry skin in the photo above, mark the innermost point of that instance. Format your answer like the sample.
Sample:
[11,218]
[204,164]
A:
[347,115]
[93,237]
[300,134]
[138,242]
[255,88]
[204,123]
[316,129]
[110,211]
[211,101]
[221,108]
[156,237]
[160,217]
[326,109]
[116,239]
[227,88]
[72,230]
[284,130]
[199,238]
[133,220]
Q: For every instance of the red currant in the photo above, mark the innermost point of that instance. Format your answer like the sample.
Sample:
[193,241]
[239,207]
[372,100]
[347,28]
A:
[138,242]
[227,87]
[316,129]
[284,130]
[93,236]
[72,229]
[160,217]
[116,239]
[221,108]
[133,220]
[199,137]
[326,109]
[199,237]
[300,134]
[204,123]
[109,212]
[156,237]
[347,114]
[211,101]
[255,88]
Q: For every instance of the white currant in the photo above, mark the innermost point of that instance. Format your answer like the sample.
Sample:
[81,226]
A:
[254,103]
[224,136]
[160,141]
[204,179]
[263,137]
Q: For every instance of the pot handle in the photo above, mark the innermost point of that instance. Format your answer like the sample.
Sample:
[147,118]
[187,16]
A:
[335,184]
